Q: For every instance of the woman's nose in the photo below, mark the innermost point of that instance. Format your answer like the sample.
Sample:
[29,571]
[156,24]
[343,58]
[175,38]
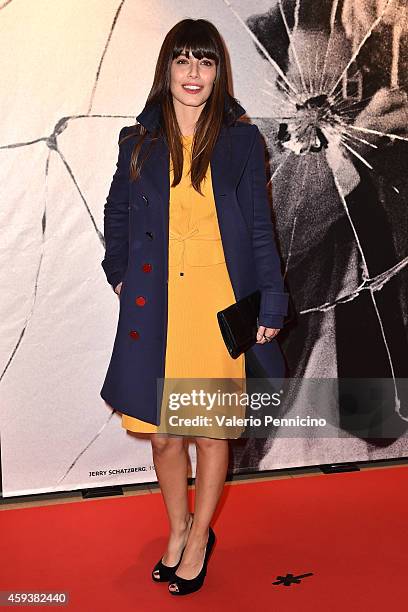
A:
[193,72]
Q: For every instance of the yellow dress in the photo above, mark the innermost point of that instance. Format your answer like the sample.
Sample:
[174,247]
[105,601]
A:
[199,285]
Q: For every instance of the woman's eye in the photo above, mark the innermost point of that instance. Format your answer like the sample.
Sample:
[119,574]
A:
[206,62]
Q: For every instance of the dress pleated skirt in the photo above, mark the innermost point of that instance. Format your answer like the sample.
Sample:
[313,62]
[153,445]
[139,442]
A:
[198,366]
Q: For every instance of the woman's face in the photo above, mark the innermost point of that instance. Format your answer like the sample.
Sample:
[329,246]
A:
[192,79]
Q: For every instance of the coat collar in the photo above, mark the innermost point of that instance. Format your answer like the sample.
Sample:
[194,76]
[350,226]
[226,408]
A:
[151,113]
[227,162]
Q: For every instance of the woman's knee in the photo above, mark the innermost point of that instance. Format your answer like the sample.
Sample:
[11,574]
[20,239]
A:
[162,444]
[210,443]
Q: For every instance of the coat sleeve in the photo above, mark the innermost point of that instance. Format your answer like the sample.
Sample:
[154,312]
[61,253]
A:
[116,220]
[274,300]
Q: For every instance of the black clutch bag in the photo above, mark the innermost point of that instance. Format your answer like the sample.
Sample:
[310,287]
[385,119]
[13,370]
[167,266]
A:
[239,324]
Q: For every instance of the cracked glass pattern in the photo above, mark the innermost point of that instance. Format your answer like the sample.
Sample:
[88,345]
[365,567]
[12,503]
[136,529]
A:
[336,74]
[325,81]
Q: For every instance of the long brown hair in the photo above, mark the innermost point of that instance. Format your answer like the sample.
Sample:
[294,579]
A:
[202,38]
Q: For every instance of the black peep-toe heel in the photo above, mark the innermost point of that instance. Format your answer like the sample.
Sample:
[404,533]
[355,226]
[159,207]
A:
[186,586]
[166,572]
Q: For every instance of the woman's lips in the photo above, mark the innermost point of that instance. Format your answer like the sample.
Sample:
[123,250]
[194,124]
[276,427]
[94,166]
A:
[192,91]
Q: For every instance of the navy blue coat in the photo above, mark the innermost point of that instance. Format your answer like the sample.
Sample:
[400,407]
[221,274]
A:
[136,224]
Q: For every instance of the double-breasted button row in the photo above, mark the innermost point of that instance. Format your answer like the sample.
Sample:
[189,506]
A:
[140,300]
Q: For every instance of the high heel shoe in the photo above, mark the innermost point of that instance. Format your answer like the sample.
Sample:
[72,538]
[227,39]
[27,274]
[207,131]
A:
[186,586]
[166,572]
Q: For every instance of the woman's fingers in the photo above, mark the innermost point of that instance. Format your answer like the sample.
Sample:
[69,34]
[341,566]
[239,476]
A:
[386,113]
[260,333]
[269,332]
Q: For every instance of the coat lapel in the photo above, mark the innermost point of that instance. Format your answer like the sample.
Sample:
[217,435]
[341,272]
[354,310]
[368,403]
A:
[156,169]
[226,166]
[226,161]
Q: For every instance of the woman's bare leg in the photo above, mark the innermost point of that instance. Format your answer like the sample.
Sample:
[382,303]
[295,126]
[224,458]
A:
[171,464]
[212,464]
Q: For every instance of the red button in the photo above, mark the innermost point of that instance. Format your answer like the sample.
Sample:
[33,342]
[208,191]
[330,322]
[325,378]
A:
[147,267]
[140,300]
[134,334]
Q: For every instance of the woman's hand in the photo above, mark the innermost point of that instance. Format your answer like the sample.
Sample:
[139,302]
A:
[118,288]
[387,112]
[269,332]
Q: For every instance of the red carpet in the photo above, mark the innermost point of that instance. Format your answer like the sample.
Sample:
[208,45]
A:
[349,530]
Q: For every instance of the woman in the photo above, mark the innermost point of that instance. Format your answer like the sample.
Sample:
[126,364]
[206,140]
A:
[204,232]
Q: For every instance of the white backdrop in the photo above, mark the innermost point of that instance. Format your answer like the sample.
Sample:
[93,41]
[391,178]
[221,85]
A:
[73,72]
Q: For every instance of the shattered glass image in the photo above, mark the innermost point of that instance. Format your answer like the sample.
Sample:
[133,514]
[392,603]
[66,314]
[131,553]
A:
[336,73]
